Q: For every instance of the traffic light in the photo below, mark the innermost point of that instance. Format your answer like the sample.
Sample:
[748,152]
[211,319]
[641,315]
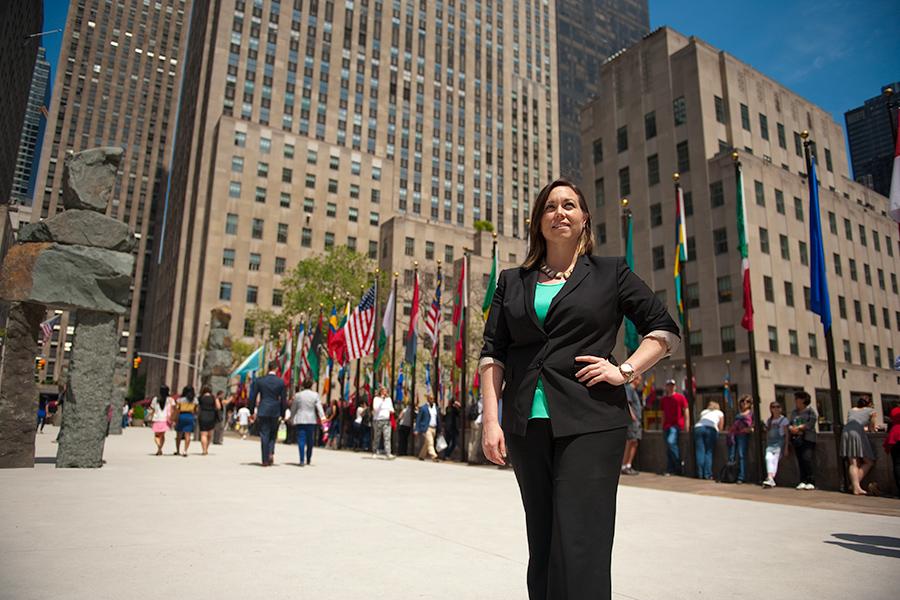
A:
[137,362]
[41,363]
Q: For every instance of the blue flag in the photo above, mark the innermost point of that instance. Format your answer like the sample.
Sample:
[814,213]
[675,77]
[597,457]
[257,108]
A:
[428,377]
[398,395]
[818,280]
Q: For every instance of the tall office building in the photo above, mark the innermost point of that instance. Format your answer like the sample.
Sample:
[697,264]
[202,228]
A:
[32,131]
[306,125]
[675,104]
[587,33]
[870,132]
[116,85]
[18,52]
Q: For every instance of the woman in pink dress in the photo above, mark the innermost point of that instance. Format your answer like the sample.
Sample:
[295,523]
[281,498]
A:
[161,408]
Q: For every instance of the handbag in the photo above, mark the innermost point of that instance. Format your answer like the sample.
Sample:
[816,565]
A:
[440,443]
[282,433]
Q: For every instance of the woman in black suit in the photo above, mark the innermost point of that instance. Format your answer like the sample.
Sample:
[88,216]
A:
[548,345]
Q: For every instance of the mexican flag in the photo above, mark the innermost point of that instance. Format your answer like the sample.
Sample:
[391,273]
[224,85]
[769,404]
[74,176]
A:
[385,332]
[747,319]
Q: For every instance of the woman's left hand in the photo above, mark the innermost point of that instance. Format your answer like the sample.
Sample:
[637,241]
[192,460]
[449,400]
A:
[598,369]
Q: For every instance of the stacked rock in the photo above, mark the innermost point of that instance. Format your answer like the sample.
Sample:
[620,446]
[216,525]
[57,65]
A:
[78,260]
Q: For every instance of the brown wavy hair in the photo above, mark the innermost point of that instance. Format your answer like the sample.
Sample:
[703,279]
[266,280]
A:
[537,245]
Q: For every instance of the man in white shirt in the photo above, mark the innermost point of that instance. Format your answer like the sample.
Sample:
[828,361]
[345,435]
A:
[243,421]
[383,408]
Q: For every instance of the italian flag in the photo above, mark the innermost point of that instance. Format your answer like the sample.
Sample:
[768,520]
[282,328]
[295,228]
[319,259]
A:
[747,319]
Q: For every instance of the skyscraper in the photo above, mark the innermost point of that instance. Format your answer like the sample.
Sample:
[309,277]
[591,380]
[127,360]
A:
[116,85]
[32,131]
[306,125]
[870,131]
[587,33]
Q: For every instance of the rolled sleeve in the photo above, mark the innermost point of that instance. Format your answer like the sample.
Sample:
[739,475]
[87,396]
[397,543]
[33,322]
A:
[668,338]
[496,330]
[644,309]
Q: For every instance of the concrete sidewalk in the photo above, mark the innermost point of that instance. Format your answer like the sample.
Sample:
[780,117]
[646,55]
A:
[351,527]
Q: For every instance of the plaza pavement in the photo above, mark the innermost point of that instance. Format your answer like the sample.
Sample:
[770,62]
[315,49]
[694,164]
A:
[350,527]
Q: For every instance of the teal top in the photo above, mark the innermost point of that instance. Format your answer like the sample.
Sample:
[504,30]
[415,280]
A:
[543,296]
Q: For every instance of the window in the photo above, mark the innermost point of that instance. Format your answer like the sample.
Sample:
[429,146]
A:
[848,230]
[255,261]
[280,265]
[828,160]
[256,231]
[656,217]
[659,258]
[351,243]
[329,240]
[237,164]
[354,191]
[720,110]
[598,150]
[798,209]
[353,214]
[785,247]
[601,233]
[853,273]
[653,169]
[832,222]
[684,158]
[277,297]
[265,145]
[599,192]
[872,316]
[289,151]
[373,249]
[252,294]
[894,282]
[282,236]
[375,196]
[650,125]
[876,241]
[773,339]
[260,195]
[309,205]
[679,110]
[306,237]
[793,345]
[234,189]
[763,240]
[798,144]
[310,180]
[768,288]
[228,257]
[409,246]
[225,290]
[696,340]
[374,218]
[688,204]
[764,126]
[804,254]
[231,223]
[448,254]
[723,284]
[262,169]
[779,201]
[716,194]
[782,140]
[862,354]
[624,182]
[312,157]
[789,293]
[720,240]
[334,163]
[691,252]
[726,334]
[842,307]
[692,295]
[287,175]
[760,193]
[848,357]
[622,139]
[331,209]
[837,265]
[745,117]
[354,167]
[249,328]
[332,186]
[857,310]
[862,236]
[284,200]
[429,250]
[240,139]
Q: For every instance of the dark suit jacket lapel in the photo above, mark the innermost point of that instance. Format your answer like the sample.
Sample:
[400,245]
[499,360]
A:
[529,280]
[582,269]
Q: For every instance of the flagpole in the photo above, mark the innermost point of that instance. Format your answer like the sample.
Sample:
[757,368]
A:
[463,367]
[394,335]
[751,348]
[686,326]
[415,358]
[837,425]
[436,351]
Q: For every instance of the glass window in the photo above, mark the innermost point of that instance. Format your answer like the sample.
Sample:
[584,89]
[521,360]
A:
[252,294]
[257,229]
[237,164]
[832,222]
[622,138]
[429,250]
[331,210]
[792,342]
[255,261]
[329,240]
[724,288]
[289,151]
[764,126]
[354,167]
[409,246]
[720,110]
[265,145]
[745,117]
[624,182]
[679,109]
[373,218]
[804,253]
[332,186]
[720,240]
[260,194]
[282,233]
[842,307]
[656,216]
[760,193]
[779,201]
[650,125]
[599,192]
[353,214]
[287,175]
[798,209]
[280,265]
[848,230]
[225,290]
[309,205]
[373,249]
[782,139]
[598,150]
[262,169]
[773,339]
[277,297]
[234,189]
[837,265]
[310,180]
[228,257]
[659,257]
[684,158]
[727,336]
[696,340]
[716,194]
[862,236]
[231,223]
[306,237]
[848,357]
[240,139]
[653,169]
[763,240]
[692,295]
[311,157]
[853,272]
[334,162]
[354,191]
[863,360]
[768,288]
[785,246]
[448,254]
[285,200]
[789,293]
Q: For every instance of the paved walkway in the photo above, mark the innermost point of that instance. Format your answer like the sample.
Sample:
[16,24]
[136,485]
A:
[350,527]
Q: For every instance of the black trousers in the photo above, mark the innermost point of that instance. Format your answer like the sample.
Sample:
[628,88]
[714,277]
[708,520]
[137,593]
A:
[268,429]
[568,487]
[806,458]
[895,458]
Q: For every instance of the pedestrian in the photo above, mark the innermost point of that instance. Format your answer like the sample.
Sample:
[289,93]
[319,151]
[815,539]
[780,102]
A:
[357,427]
[41,414]
[892,444]
[404,429]
[243,417]
[676,416]
[184,427]
[383,408]
[126,411]
[366,429]
[451,427]
[803,438]
[777,436]
[739,435]
[427,423]
[272,394]
[219,429]
[305,409]
[634,432]
[332,425]
[706,436]
[161,408]
[208,415]
[548,344]
[855,445]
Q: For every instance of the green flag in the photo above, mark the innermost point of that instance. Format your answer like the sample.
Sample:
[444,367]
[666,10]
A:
[491,288]
[631,335]
[385,332]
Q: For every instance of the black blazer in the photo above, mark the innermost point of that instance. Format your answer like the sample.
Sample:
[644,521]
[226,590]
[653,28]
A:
[583,319]
[272,395]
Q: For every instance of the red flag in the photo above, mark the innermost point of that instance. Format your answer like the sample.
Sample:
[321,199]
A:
[459,304]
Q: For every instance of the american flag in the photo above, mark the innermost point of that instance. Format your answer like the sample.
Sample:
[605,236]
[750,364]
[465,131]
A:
[47,327]
[361,327]
[433,318]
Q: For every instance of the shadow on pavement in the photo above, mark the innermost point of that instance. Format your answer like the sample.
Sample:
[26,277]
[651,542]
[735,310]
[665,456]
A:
[877,545]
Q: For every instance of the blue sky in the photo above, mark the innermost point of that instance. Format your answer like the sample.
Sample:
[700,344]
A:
[834,53]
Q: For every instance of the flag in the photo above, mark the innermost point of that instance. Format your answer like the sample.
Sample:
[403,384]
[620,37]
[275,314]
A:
[433,317]
[631,334]
[649,392]
[337,341]
[680,249]
[298,362]
[818,280]
[726,392]
[398,392]
[747,318]
[476,383]
[460,303]
[47,327]
[313,346]
[895,180]
[251,363]
[361,327]
[428,377]
[386,326]
[491,286]
[411,334]
[287,355]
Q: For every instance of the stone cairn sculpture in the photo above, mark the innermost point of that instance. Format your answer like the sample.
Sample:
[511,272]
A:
[217,360]
[78,260]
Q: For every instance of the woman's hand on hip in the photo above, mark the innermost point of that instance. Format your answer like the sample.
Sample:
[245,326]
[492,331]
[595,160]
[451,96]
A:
[493,443]
[598,370]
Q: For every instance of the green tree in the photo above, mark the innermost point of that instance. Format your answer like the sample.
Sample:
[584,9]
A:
[239,351]
[482,225]
[328,279]
[137,388]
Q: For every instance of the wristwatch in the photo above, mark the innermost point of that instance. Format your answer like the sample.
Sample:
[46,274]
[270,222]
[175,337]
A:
[627,372]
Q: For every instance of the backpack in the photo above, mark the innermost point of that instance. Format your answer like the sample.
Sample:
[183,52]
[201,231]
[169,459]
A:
[729,473]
